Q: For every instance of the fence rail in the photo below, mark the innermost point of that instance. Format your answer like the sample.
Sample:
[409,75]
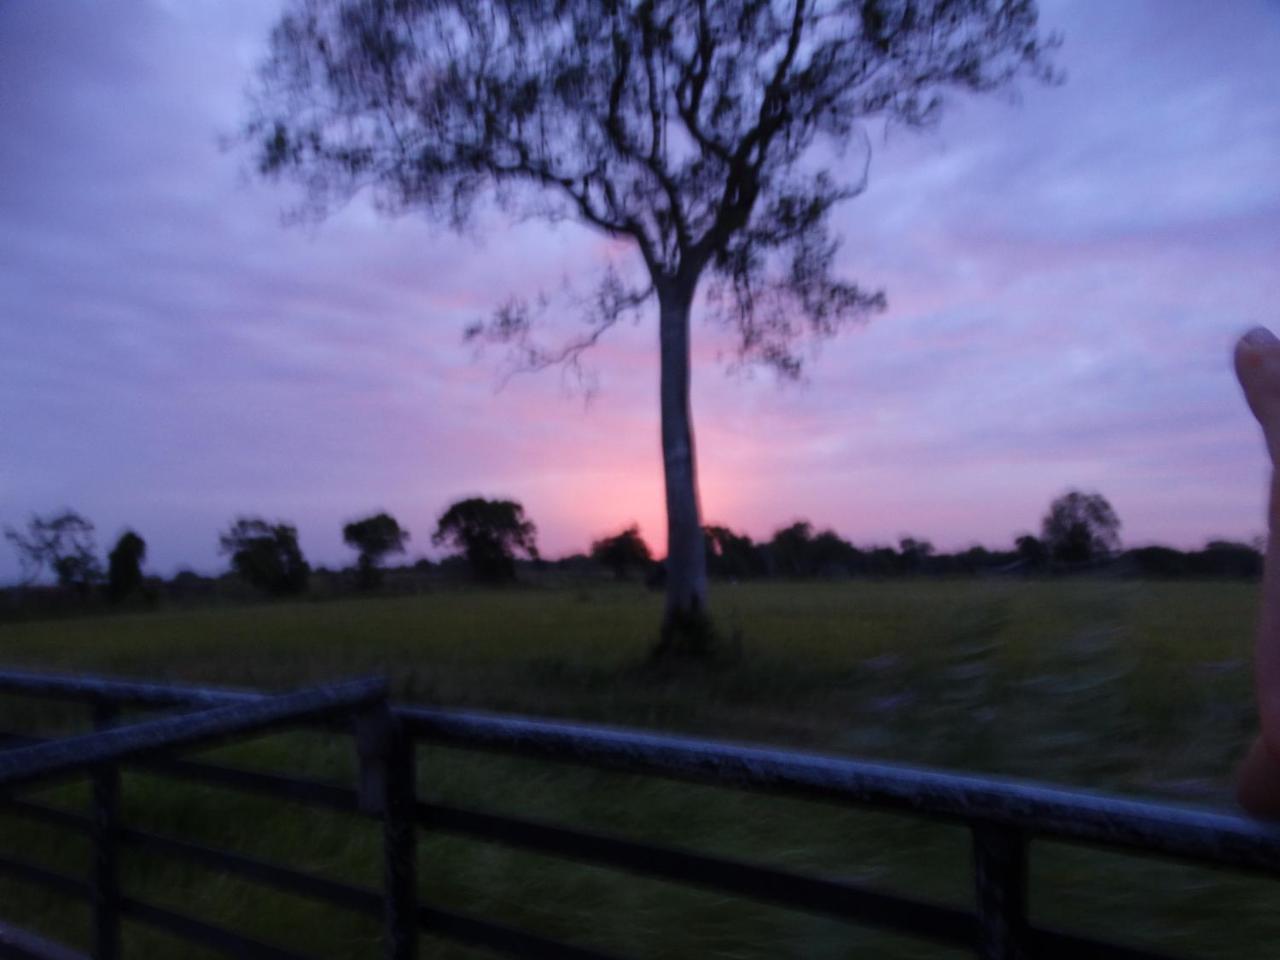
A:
[1004,817]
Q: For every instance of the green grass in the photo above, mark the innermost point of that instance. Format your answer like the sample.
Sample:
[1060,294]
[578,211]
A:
[1133,687]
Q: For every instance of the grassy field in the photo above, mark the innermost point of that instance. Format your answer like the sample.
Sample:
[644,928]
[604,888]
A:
[1134,687]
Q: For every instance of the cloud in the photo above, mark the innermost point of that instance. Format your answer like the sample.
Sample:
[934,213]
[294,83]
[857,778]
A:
[1065,276]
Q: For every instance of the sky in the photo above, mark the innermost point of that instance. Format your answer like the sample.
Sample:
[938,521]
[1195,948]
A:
[1066,272]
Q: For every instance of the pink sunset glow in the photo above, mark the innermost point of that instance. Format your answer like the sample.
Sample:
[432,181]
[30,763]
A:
[1065,277]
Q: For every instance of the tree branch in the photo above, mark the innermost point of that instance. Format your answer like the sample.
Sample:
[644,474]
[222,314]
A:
[512,327]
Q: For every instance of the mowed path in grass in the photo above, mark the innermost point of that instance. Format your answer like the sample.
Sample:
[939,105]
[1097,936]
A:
[1136,687]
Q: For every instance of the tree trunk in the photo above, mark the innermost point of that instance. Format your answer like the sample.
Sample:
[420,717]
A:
[685,627]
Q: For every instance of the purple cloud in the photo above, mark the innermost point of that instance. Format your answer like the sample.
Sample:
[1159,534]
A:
[1065,277]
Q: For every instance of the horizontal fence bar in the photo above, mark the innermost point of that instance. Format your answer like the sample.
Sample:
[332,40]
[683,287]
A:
[500,938]
[30,873]
[16,944]
[814,895]
[54,816]
[122,692]
[1073,815]
[1081,816]
[313,793]
[204,934]
[183,927]
[70,755]
[1046,944]
[1077,816]
[357,899]
[434,921]
[1055,945]
[810,894]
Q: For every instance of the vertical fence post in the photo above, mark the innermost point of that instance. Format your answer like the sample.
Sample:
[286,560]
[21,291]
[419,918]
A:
[1000,879]
[105,879]
[387,789]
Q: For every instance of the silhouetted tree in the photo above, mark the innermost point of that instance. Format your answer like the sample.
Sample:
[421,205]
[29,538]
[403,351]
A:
[732,555]
[913,553]
[374,537]
[881,561]
[61,543]
[579,566]
[266,556]
[1032,552]
[188,585]
[1226,558]
[623,552]
[1080,527]
[975,559]
[1157,561]
[830,555]
[124,566]
[796,551]
[490,533]
[789,549]
[680,127]
[1219,558]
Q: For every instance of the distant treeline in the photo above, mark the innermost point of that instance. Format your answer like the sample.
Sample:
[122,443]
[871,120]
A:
[495,542]
[798,552]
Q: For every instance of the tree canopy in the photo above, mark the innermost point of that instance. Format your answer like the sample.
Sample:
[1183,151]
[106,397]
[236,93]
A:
[623,552]
[1032,552]
[266,555]
[732,555]
[712,137]
[490,533]
[679,126]
[914,553]
[63,544]
[124,566]
[374,538]
[1080,527]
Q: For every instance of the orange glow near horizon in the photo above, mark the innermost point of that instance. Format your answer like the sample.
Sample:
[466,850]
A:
[1064,283]
[572,509]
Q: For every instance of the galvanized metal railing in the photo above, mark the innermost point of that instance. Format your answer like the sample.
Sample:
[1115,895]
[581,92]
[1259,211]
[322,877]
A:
[99,755]
[1003,817]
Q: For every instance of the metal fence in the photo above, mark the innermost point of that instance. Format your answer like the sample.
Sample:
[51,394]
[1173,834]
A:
[1003,818]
